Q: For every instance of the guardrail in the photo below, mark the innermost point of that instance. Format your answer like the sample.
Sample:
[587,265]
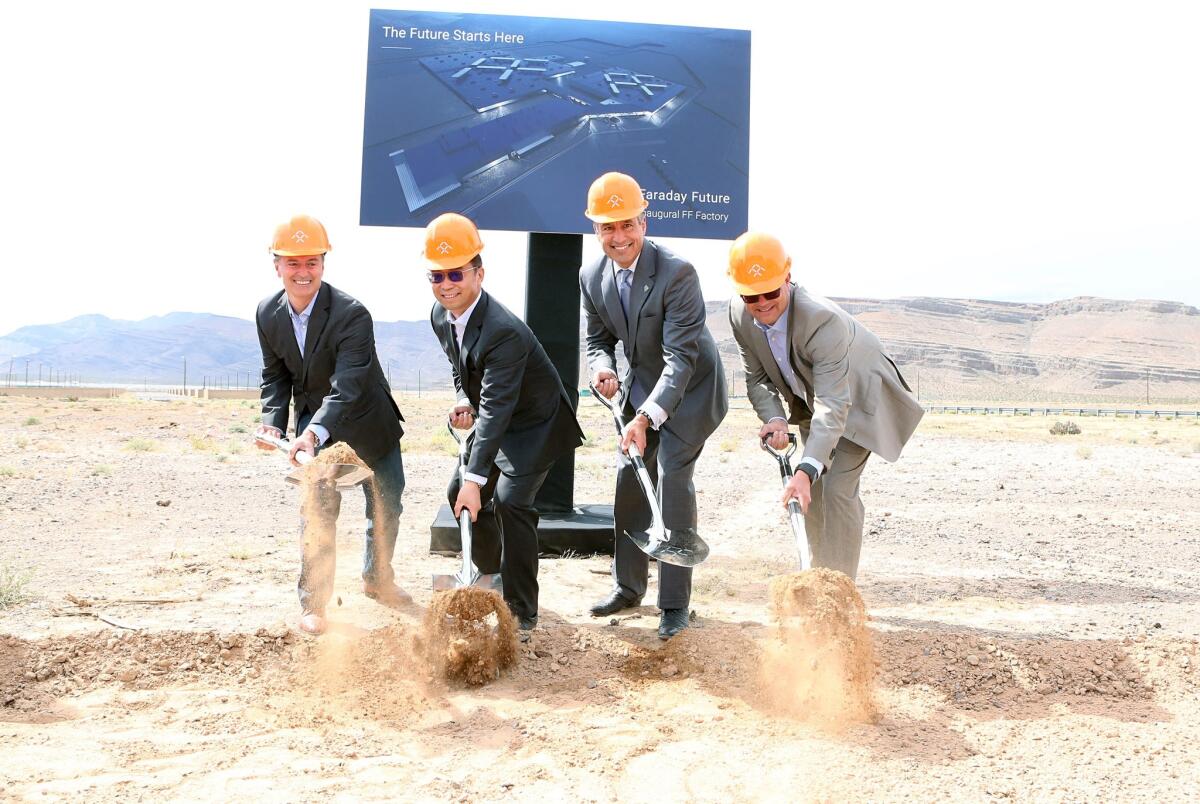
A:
[1137,413]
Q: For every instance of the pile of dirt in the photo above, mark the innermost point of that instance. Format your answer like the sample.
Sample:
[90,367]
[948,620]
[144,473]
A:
[819,664]
[339,452]
[469,635]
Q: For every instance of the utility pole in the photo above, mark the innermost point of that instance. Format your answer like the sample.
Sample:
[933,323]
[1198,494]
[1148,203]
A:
[418,382]
[10,365]
[185,375]
[26,372]
[1147,386]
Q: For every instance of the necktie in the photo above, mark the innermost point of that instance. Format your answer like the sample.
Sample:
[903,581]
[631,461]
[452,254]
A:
[624,283]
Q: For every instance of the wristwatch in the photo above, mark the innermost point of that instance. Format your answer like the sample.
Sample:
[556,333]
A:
[649,418]
[808,470]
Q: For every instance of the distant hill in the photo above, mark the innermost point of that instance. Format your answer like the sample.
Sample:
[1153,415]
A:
[953,349]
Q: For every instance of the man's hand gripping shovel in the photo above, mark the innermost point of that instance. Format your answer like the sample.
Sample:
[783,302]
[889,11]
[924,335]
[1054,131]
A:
[795,515]
[682,547]
[467,575]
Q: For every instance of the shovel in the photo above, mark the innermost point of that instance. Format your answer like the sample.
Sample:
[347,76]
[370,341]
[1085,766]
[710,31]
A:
[467,575]
[343,476]
[794,513]
[682,547]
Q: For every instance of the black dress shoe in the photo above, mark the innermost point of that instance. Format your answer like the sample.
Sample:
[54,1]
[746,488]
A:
[525,626]
[613,603]
[672,622]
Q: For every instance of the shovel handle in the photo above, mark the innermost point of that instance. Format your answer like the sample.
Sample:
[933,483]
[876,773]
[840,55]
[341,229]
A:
[283,445]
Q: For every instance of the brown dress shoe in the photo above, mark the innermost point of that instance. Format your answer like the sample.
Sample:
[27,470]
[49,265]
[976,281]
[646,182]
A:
[312,623]
[388,595]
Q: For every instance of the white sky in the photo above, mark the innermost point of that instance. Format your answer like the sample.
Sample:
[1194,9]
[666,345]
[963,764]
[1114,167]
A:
[1024,151]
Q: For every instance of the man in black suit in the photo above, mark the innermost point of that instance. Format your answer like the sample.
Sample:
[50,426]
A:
[523,417]
[318,349]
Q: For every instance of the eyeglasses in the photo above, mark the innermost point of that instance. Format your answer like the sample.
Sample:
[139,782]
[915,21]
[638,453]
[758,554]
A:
[438,277]
[769,295]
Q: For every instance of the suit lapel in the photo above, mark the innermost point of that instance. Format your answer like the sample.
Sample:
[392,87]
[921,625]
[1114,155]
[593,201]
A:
[799,365]
[643,283]
[291,349]
[316,324]
[471,336]
[612,299]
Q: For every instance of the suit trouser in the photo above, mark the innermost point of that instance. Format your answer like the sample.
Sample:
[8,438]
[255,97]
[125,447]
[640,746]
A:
[834,521]
[670,463]
[504,535]
[318,531]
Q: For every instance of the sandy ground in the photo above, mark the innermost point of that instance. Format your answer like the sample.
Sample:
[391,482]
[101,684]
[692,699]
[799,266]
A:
[1032,603]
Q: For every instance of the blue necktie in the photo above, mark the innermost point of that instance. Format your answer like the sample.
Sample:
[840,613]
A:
[624,283]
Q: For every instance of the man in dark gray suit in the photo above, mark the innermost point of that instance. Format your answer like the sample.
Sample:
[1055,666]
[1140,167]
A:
[524,420]
[843,392]
[318,350]
[649,300]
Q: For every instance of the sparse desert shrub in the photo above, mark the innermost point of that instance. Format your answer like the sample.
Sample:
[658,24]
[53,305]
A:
[238,428]
[1065,428]
[7,471]
[12,586]
[22,442]
[31,421]
[101,470]
[141,445]
[1083,453]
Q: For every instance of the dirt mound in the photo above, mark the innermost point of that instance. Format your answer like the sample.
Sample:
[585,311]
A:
[469,635]
[341,452]
[819,664]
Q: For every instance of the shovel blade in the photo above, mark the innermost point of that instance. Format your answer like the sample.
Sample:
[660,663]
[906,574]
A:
[492,581]
[682,547]
[344,476]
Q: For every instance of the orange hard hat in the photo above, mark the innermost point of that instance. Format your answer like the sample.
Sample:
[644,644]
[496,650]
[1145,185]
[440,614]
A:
[451,241]
[302,236]
[758,263]
[615,197]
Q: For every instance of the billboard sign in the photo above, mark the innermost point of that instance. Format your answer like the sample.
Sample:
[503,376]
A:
[509,119]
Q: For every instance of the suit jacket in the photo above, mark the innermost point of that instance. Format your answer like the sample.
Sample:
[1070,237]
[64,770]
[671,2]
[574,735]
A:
[524,420]
[338,382]
[851,388]
[669,349]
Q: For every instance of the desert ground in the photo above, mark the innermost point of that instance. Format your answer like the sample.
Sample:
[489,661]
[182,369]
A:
[1032,601]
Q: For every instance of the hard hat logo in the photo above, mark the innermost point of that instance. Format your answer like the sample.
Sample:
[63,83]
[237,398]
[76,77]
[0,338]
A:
[444,248]
[757,270]
[615,201]
[299,236]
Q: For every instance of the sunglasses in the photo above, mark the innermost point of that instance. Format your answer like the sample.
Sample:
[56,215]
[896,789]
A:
[437,277]
[769,295]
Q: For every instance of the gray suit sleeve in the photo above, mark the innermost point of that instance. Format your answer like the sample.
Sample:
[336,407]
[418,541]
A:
[503,368]
[355,339]
[276,383]
[601,343]
[763,394]
[683,323]
[828,347]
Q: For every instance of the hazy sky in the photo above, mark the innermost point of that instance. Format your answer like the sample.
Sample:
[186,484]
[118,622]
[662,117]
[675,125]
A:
[1024,151]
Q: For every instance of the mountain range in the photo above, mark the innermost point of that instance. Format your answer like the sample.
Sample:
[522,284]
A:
[948,349]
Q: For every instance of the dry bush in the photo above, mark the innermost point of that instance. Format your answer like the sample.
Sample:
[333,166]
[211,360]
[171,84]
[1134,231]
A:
[12,586]
[1065,428]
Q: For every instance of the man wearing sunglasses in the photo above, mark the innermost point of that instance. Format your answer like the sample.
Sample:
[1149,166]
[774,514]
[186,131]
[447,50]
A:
[846,396]
[318,351]
[646,297]
[523,417]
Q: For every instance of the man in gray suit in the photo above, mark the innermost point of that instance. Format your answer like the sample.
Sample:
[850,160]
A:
[649,299]
[846,396]
[524,420]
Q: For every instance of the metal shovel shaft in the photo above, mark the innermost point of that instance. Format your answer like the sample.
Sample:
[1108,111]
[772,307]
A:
[795,514]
